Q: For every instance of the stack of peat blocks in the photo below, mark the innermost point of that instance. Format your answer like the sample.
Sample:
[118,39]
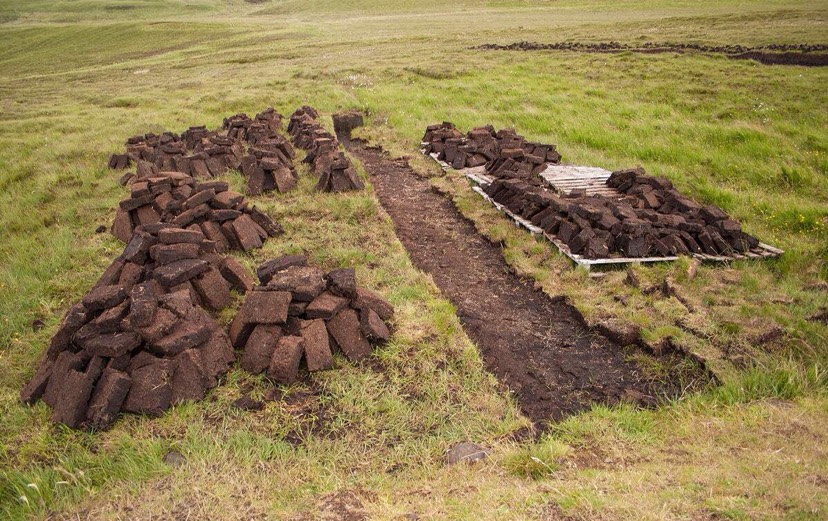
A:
[299,312]
[336,174]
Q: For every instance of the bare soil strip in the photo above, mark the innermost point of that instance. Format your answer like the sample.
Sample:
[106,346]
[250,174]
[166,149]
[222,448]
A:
[802,54]
[539,348]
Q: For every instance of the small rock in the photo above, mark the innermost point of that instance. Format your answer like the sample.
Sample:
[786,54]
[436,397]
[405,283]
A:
[173,459]
[100,229]
[465,452]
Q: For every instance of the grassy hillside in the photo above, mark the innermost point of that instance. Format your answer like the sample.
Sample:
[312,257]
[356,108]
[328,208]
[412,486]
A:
[78,77]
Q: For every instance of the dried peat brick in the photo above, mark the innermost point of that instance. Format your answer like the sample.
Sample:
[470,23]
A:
[64,363]
[151,390]
[317,347]
[342,282]
[237,275]
[372,326]
[266,270]
[143,303]
[248,236]
[104,297]
[35,388]
[177,235]
[107,398]
[373,300]
[265,307]
[177,272]
[70,409]
[146,214]
[213,289]
[110,345]
[168,253]
[131,274]
[138,247]
[284,363]
[122,226]
[189,380]
[227,200]
[110,320]
[187,334]
[345,329]
[162,324]
[74,319]
[217,355]
[305,283]
[259,348]
[325,306]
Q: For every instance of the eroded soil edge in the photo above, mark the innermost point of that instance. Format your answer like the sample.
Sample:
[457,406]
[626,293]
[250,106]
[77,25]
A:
[538,347]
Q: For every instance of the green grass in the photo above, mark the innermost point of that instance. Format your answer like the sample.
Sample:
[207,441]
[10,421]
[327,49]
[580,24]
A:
[78,77]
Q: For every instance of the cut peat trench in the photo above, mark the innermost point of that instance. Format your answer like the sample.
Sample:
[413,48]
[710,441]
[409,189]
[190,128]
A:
[536,346]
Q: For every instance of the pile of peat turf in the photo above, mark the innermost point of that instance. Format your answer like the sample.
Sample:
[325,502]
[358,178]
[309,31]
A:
[142,340]
[336,174]
[267,163]
[651,219]
[174,198]
[504,153]
[300,312]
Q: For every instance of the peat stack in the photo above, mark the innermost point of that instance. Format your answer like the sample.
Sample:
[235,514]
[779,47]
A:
[301,313]
[519,158]
[140,340]
[652,219]
[203,153]
[504,153]
[178,199]
[345,123]
[335,171]
[268,163]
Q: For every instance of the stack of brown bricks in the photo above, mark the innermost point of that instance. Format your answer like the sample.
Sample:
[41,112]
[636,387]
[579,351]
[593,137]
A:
[299,312]
[336,174]
[222,215]
[504,153]
[651,219]
[140,340]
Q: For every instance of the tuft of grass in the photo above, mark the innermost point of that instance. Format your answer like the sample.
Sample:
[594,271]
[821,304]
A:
[536,461]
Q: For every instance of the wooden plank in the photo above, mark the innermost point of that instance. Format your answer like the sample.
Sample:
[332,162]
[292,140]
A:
[771,249]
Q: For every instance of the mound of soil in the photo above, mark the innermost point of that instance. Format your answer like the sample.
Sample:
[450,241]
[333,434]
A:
[808,55]
[653,219]
[301,313]
[504,152]
[336,174]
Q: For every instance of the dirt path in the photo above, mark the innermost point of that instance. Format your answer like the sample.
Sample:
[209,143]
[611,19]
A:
[536,346]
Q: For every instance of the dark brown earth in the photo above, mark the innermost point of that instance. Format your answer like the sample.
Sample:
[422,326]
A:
[538,347]
[779,54]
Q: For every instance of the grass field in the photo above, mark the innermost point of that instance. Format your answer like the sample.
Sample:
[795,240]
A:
[79,77]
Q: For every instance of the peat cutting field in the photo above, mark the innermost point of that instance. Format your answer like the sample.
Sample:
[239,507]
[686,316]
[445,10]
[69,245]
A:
[232,286]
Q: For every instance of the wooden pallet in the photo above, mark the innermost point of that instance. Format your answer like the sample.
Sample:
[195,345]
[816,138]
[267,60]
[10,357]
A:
[566,176]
